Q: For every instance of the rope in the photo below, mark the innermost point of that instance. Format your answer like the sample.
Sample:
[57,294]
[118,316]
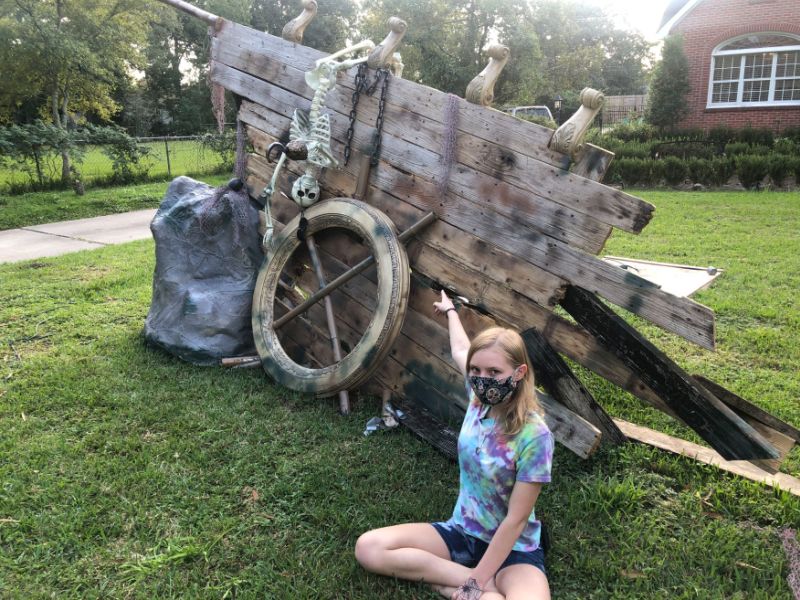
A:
[449,139]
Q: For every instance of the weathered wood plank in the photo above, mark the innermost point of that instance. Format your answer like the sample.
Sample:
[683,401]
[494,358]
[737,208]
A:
[273,116]
[743,407]
[521,313]
[717,424]
[708,456]
[524,144]
[526,278]
[559,380]
[592,162]
[682,316]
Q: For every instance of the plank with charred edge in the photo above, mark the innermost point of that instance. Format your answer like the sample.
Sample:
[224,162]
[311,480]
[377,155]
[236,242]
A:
[682,316]
[272,59]
[592,162]
[427,427]
[559,380]
[732,437]
[707,456]
[742,406]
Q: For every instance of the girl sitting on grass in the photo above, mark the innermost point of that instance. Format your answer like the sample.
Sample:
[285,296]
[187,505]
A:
[490,547]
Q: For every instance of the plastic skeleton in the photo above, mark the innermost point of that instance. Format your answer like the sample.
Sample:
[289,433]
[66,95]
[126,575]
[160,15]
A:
[312,130]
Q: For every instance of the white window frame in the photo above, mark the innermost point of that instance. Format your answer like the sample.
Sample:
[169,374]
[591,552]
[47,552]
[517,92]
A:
[743,53]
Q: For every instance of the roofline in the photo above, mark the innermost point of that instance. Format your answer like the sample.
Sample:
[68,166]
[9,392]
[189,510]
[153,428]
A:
[677,18]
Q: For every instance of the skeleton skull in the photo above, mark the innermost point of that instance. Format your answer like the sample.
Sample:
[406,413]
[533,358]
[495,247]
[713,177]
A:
[305,190]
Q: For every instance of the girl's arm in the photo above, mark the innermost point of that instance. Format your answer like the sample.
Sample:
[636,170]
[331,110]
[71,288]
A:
[520,505]
[459,341]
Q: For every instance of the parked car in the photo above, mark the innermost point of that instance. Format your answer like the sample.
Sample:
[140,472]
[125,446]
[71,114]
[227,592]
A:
[530,111]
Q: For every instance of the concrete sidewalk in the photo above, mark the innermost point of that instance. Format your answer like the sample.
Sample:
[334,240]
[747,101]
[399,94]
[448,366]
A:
[53,239]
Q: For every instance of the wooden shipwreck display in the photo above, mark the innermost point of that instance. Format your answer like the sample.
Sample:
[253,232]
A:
[414,191]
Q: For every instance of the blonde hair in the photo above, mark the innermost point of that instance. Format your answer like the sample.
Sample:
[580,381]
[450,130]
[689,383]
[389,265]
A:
[513,413]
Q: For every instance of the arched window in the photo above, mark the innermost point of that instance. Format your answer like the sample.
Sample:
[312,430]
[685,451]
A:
[758,69]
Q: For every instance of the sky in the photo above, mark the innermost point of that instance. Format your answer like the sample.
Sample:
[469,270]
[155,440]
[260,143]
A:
[643,16]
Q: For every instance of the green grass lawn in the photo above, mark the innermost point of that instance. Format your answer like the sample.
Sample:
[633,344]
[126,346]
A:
[35,208]
[185,156]
[127,473]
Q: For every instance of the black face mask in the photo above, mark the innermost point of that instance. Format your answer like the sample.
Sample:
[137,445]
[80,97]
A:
[493,391]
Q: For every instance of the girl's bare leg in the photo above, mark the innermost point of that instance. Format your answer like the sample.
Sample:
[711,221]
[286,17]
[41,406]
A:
[413,551]
[519,582]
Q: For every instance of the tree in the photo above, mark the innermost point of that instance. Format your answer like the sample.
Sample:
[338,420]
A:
[670,86]
[446,41]
[67,57]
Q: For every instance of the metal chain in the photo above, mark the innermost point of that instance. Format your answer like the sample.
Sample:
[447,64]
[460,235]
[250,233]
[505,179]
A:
[361,85]
[376,146]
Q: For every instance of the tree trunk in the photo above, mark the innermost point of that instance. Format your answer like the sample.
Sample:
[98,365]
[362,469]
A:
[60,113]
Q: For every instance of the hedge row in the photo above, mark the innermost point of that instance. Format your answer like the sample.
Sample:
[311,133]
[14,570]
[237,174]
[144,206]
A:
[751,169]
[638,131]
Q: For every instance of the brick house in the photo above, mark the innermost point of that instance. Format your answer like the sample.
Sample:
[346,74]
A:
[744,61]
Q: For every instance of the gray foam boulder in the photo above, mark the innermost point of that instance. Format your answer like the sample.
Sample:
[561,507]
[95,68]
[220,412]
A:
[208,252]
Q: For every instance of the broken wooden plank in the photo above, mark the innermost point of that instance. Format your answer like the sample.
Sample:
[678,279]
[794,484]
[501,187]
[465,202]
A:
[742,406]
[682,316]
[717,424]
[558,379]
[592,162]
[274,60]
[708,456]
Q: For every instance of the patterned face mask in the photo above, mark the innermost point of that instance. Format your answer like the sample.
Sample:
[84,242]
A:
[493,391]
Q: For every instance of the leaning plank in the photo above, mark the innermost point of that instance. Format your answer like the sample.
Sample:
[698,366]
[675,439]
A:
[592,162]
[742,406]
[427,427]
[727,433]
[708,456]
[515,157]
[557,378]
[682,316]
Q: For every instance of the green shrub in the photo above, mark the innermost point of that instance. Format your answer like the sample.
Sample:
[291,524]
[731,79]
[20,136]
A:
[751,170]
[721,135]
[792,133]
[756,137]
[700,170]
[632,150]
[693,133]
[631,171]
[785,145]
[634,131]
[722,169]
[685,149]
[739,148]
[778,167]
[675,170]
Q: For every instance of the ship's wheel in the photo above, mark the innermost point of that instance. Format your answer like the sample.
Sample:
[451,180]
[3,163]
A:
[296,349]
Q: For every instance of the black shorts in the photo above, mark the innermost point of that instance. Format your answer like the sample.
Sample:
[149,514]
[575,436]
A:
[468,550]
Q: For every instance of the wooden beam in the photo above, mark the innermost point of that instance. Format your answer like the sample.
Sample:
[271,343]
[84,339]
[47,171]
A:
[708,456]
[592,162]
[559,380]
[727,433]
[742,406]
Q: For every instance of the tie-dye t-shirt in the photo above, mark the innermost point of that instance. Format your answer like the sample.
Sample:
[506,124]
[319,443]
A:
[491,465]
